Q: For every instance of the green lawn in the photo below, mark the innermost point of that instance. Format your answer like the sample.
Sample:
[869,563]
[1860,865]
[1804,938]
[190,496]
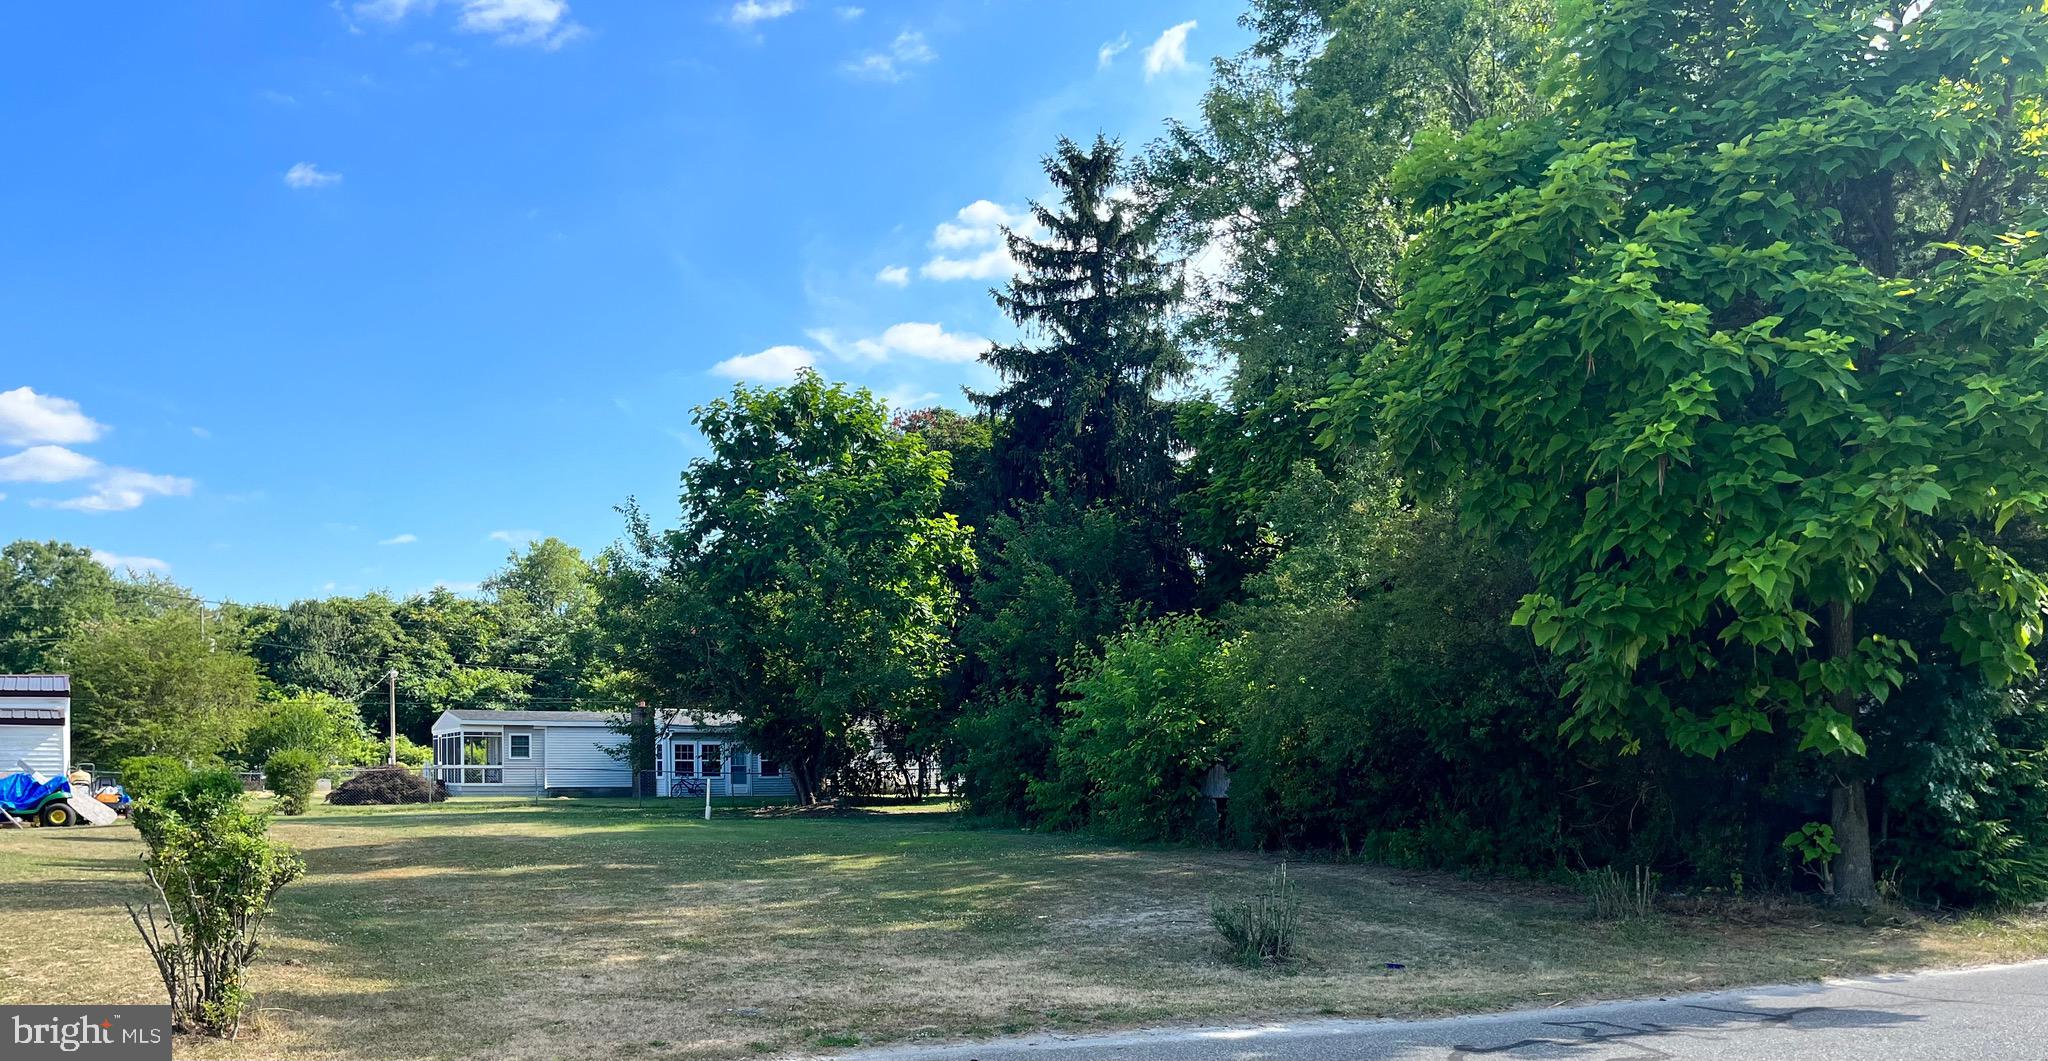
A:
[482,929]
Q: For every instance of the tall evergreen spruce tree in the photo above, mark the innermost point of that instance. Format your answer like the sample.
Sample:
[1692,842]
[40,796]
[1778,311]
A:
[1085,417]
[1087,533]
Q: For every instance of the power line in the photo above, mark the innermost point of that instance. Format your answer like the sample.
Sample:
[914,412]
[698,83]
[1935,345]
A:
[366,689]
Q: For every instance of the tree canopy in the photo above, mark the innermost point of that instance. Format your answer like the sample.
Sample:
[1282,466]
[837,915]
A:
[809,585]
[1744,334]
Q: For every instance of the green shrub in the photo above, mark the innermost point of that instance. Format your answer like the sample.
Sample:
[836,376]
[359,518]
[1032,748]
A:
[1004,739]
[1149,718]
[1614,896]
[1388,705]
[214,868]
[1055,580]
[198,794]
[330,728]
[143,776]
[1263,928]
[1967,795]
[410,753]
[291,775]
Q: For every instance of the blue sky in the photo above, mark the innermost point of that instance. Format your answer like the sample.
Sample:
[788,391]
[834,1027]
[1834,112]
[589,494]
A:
[300,298]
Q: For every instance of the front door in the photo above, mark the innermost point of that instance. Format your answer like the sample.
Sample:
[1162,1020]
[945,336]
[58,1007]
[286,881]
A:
[736,778]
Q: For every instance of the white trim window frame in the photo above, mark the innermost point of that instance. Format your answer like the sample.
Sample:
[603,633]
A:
[514,742]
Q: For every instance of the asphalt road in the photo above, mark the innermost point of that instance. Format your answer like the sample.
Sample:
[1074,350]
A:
[1996,1014]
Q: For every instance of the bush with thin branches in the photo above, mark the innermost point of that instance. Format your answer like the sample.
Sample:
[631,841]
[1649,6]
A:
[214,870]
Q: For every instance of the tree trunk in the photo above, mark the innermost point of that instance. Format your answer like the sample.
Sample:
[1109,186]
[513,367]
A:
[804,778]
[1849,808]
[1848,800]
[641,747]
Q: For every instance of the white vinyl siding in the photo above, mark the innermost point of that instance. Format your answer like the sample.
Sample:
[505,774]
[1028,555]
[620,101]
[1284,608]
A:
[777,784]
[559,755]
[575,758]
[43,749]
[36,749]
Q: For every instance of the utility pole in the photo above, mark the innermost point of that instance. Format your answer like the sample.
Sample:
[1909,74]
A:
[392,679]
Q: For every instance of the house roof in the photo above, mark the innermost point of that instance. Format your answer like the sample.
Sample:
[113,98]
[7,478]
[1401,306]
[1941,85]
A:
[35,685]
[496,717]
[31,716]
[534,718]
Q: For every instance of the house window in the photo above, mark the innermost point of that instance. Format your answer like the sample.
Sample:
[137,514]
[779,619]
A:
[686,760]
[770,768]
[519,746]
[712,757]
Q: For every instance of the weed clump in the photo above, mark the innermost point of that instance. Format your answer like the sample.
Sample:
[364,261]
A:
[1263,928]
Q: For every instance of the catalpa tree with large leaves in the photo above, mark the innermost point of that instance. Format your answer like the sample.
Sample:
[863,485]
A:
[1749,332]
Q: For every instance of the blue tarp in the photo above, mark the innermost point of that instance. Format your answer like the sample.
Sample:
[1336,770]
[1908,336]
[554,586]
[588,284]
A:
[22,793]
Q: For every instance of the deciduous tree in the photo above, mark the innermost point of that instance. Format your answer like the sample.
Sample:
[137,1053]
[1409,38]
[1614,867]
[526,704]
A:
[1749,333]
[808,589]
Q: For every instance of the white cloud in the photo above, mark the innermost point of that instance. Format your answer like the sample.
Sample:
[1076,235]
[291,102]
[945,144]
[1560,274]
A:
[545,23]
[748,12]
[992,264]
[39,422]
[905,396]
[849,12]
[830,340]
[390,10]
[27,418]
[46,464]
[200,432]
[932,343]
[777,364]
[978,223]
[908,49]
[513,537]
[308,175]
[929,342]
[894,276]
[1107,54]
[977,226]
[400,539]
[118,562]
[1170,52]
[120,489]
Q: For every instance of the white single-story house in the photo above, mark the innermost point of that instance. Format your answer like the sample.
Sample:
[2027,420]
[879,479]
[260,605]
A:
[35,724]
[485,752]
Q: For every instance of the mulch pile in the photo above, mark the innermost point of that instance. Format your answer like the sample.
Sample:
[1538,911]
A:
[387,784]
